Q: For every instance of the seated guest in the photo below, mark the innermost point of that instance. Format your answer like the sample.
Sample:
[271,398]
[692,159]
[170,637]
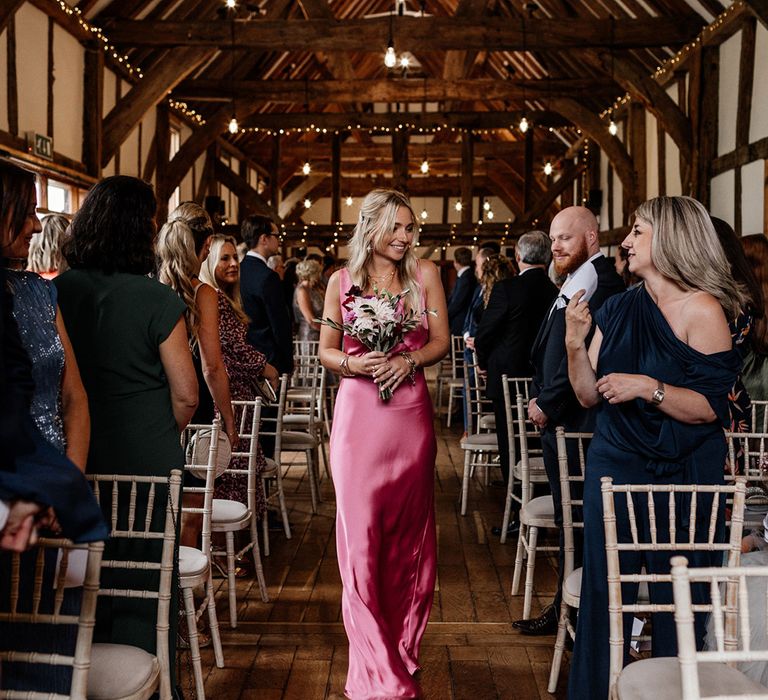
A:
[45,256]
[659,368]
[130,339]
[221,271]
[516,308]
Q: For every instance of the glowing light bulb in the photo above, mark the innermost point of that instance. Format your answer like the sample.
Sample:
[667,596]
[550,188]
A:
[425,166]
[349,200]
[390,59]
[306,168]
[489,214]
[523,125]
[487,206]
[458,206]
[424,214]
[230,4]
[307,203]
[612,128]
[233,127]
[548,168]
[405,61]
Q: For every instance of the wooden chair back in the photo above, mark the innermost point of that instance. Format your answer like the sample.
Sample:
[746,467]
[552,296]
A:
[519,429]
[571,492]
[39,602]
[733,641]
[140,493]
[248,421]
[645,498]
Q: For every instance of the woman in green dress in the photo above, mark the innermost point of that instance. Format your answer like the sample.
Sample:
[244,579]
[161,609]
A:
[130,341]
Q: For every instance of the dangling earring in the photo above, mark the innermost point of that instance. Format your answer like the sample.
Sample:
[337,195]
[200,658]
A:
[369,249]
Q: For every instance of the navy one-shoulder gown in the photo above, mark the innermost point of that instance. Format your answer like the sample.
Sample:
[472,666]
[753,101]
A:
[635,442]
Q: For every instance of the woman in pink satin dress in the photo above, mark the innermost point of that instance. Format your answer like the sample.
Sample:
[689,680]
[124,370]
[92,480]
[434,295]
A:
[383,455]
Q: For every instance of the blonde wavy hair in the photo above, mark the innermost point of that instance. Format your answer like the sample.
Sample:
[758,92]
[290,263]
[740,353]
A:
[375,221]
[208,274]
[685,248]
[496,267]
[310,271]
[45,254]
[178,265]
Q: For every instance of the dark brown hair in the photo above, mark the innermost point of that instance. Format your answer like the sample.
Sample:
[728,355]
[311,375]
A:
[756,251]
[16,188]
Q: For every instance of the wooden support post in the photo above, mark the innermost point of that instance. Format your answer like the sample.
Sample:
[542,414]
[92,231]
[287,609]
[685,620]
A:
[661,144]
[765,196]
[49,100]
[13,93]
[93,105]
[212,186]
[467,175]
[609,175]
[528,170]
[274,174]
[7,11]
[444,211]
[686,167]
[704,86]
[242,206]
[336,178]
[637,148]
[400,160]
[566,198]
[744,110]
[162,157]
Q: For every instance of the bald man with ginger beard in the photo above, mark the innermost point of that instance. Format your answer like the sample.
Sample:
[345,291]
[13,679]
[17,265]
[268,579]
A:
[576,253]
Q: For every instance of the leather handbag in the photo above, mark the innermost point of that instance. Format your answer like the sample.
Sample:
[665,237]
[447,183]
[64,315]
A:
[197,454]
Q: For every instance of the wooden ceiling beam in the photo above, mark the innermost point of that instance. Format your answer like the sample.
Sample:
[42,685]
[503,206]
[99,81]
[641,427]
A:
[333,121]
[8,10]
[236,184]
[552,193]
[427,33]
[414,90]
[760,9]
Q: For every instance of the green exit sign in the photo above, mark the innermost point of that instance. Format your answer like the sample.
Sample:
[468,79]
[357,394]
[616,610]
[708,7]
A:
[40,145]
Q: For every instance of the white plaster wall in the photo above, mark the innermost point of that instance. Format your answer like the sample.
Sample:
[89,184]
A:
[730,54]
[129,152]
[723,193]
[752,197]
[651,156]
[3,74]
[758,125]
[109,90]
[672,155]
[68,67]
[32,69]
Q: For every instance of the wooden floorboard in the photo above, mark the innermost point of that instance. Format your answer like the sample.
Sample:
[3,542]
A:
[294,647]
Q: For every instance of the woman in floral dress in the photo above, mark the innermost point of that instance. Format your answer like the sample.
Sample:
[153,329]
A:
[244,364]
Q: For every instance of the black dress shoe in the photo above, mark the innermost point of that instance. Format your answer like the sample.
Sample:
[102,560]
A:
[544,624]
[512,528]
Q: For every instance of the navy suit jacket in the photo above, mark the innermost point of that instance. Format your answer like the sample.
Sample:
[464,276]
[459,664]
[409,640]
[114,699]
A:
[270,328]
[551,385]
[509,326]
[474,313]
[459,301]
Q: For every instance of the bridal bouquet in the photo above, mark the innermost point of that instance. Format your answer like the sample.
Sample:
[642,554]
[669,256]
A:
[379,322]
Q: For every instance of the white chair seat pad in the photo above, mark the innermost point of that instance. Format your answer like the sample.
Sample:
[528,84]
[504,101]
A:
[119,670]
[299,394]
[480,441]
[294,440]
[538,512]
[270,469]
[296,419]
[660,679]
[572,588]
[192,562]
[488,422]
[536,472]
[225,511]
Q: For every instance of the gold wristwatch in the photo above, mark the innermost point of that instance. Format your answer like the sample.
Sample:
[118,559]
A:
[658,395]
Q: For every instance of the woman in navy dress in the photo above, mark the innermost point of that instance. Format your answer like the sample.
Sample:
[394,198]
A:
[660,366]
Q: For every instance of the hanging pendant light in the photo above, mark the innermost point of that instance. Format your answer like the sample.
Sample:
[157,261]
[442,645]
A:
[233,127]
[524,124]
[349,200]
[424,214]
[424,166]
[489,214]
[306,168]
[390,59]
[458,205]
[307,203]
[548,168]
[612,128]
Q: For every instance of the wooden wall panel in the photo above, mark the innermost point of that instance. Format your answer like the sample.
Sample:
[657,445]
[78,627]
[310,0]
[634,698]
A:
[758,126]
[69,64]
[730,56]
[32,69]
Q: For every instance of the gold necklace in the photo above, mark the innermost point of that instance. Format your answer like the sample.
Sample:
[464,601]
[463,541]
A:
[381,278]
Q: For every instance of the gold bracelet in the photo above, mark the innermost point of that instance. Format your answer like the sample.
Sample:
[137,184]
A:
[411,366]
[344,365]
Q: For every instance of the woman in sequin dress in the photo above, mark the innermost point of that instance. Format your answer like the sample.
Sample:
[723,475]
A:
[59,403]
[221,270]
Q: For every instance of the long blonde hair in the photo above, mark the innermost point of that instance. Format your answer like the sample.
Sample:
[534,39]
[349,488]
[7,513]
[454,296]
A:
[208,274]
[376,220]
[685,248]
[45,254]
[178,266]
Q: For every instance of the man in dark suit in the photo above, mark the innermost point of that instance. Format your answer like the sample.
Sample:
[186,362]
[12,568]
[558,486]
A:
[461,295]
[576,252]
[270,328]
[509,325]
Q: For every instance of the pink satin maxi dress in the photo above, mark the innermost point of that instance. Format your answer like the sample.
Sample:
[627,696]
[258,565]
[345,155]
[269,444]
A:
[383,461]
